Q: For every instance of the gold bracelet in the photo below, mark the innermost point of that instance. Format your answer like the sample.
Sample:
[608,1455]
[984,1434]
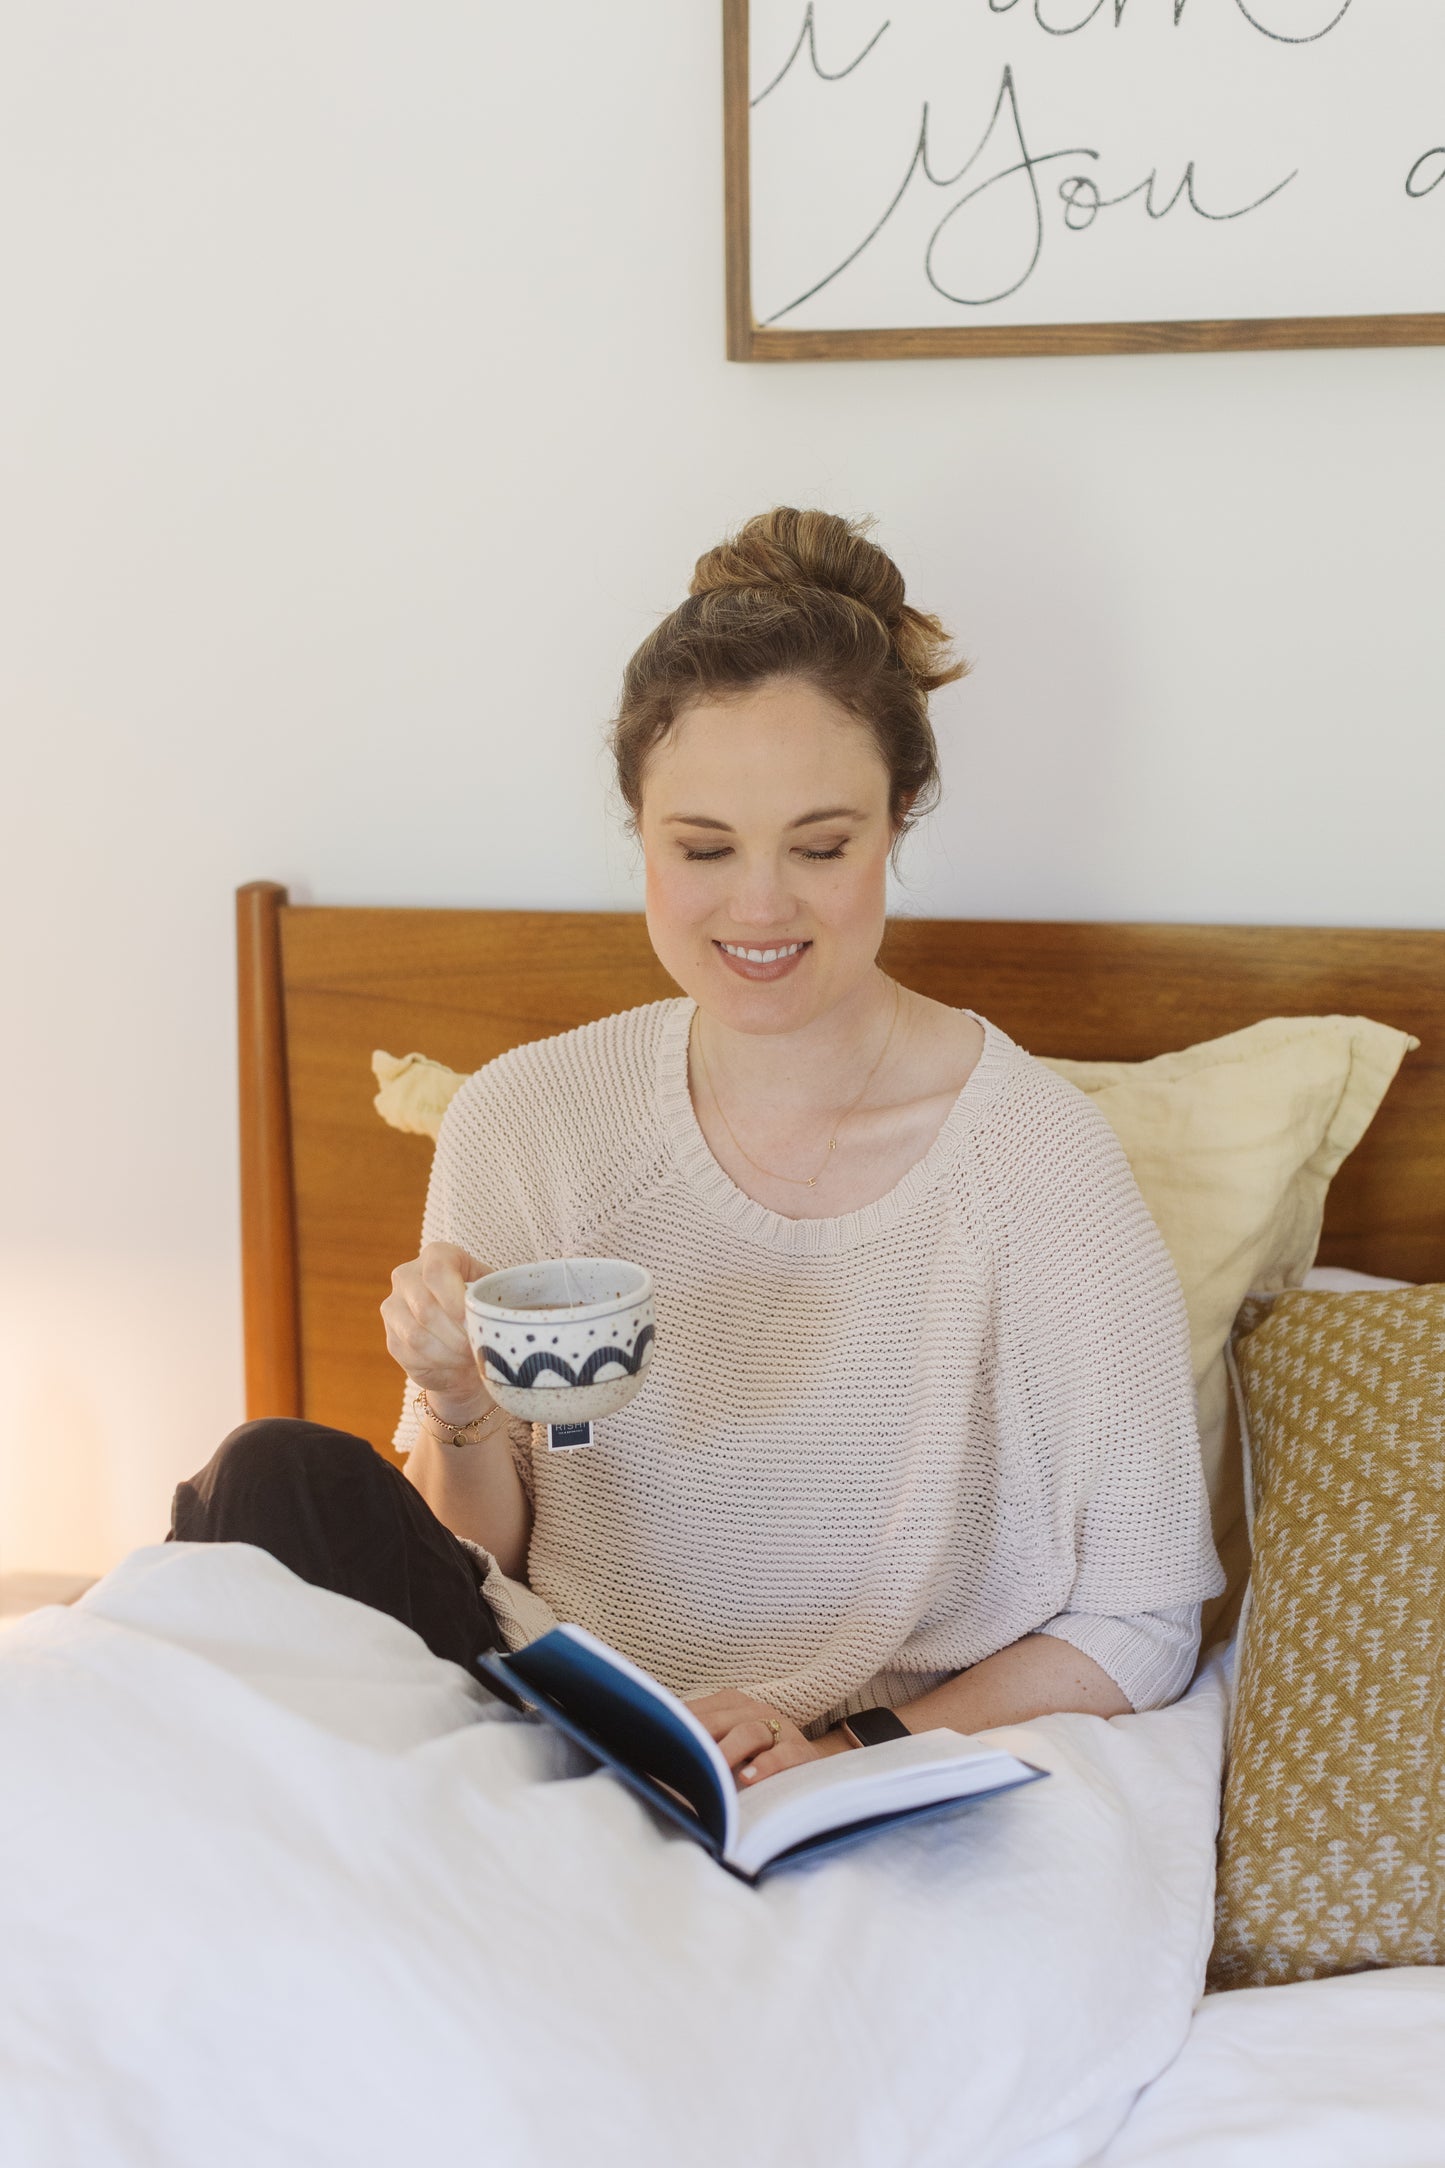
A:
[446,1433]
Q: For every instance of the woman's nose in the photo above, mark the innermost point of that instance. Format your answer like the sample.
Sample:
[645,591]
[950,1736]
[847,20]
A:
[763,897]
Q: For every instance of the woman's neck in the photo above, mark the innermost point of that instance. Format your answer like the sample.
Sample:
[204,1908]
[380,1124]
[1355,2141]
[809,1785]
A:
[818,1067]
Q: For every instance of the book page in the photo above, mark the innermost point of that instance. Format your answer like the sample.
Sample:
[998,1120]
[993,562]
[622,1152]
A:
[820,1795]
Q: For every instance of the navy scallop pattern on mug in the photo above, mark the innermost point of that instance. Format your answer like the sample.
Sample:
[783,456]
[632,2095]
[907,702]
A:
[531,1368]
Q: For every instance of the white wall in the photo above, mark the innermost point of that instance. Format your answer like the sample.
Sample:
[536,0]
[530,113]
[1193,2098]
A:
[363,404]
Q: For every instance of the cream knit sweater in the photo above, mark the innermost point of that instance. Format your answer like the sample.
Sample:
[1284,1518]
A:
[870,1450]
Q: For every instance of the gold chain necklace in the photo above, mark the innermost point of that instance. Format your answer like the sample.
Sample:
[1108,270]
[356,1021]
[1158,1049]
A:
[803,1181]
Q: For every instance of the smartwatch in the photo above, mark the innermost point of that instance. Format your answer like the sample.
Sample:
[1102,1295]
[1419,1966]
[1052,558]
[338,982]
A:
[870,1727]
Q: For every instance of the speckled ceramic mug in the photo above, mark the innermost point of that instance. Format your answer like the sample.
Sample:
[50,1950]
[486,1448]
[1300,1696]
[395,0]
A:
[566,1341]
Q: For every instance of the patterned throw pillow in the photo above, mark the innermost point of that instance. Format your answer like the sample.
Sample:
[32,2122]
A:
[1332,1846]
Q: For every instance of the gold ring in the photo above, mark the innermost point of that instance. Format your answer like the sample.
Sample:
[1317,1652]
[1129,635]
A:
[773,1726]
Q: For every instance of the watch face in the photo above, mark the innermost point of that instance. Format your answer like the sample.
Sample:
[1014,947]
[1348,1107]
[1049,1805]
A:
[872,1726]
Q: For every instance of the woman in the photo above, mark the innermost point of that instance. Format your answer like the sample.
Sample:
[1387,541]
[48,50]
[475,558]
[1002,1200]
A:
[919,1435]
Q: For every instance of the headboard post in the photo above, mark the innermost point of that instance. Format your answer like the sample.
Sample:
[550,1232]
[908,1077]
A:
[268,1204]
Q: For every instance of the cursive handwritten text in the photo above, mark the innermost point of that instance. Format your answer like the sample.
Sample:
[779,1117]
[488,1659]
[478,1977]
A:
[1420,180]
[808,36]
[1051,15]
[1080,195]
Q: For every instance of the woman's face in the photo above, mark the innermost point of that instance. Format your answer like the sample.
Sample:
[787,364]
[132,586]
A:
[765,826]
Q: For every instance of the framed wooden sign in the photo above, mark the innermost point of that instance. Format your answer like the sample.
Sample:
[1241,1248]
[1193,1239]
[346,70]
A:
[914,177]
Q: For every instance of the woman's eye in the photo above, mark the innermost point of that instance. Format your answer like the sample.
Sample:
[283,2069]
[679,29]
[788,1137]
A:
[701,857]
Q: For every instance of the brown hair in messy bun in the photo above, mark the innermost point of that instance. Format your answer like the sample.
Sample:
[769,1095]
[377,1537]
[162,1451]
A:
[795,594]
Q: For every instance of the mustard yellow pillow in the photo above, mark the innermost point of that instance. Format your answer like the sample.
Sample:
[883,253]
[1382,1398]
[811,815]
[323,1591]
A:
[1233,1144]
[1332,1842]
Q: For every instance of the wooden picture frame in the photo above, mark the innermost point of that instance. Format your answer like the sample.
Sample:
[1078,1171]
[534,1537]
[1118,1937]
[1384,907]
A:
[747,340]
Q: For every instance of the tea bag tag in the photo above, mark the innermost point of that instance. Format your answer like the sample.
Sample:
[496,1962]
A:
[566,1437]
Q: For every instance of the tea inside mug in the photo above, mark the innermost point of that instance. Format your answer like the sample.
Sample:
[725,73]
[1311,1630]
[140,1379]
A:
[560,1285]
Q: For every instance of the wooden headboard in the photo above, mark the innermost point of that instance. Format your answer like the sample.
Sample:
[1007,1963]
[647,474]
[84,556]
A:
[332,1199]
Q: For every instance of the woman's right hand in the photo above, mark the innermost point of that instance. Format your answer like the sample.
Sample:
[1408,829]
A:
[426,1332]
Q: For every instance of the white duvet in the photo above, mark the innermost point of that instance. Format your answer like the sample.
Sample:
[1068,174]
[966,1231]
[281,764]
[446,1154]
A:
[1344,2073]
[280,1887]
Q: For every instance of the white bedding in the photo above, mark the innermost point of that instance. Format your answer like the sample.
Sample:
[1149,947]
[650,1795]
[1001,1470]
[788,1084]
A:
[281,1888]
[1346,2073]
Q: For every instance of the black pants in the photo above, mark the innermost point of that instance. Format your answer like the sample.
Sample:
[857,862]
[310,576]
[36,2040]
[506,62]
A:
[342,1518]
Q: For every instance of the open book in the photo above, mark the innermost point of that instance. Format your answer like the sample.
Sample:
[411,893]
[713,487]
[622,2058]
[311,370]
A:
[628,1720]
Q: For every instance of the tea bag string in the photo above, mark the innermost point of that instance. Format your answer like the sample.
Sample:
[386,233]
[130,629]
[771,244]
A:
[574,1293]
[800,1181]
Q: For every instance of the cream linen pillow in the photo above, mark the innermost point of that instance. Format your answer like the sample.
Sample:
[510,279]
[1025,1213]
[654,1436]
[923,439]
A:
[415,1093]
[1233,1144]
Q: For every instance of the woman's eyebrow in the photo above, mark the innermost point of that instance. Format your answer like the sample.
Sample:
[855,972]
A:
[806,820]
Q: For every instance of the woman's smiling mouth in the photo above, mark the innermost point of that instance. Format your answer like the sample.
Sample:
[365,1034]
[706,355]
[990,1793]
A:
[762,963]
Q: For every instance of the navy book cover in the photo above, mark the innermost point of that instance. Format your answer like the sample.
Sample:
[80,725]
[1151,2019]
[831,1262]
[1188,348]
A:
[631,1723]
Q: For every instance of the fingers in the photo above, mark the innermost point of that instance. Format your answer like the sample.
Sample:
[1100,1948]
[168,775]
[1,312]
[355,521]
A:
[444,1269]
[718,1711]
[750,1750]
[434,1285]
[431,1342]
[425,1317]
[747,1740]
[429,1315]
[785,1755]
[723,1713]
[744,1733]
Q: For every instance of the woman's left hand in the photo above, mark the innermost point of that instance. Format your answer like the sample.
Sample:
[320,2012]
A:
[741,1728]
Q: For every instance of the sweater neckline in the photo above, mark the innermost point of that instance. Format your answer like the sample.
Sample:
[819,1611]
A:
[715,1188]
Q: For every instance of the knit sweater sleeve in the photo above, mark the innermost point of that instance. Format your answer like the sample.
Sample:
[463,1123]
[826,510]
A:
[1149,1655]
[1096,1380]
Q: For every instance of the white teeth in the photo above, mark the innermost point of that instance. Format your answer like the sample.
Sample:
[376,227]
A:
[762,956]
